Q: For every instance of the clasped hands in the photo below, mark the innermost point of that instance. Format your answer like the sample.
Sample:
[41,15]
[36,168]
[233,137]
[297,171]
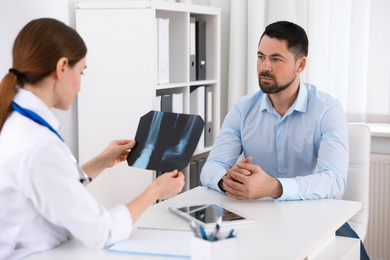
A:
[246,181]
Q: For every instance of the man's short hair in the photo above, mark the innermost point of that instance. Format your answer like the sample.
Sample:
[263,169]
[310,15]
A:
[297,41]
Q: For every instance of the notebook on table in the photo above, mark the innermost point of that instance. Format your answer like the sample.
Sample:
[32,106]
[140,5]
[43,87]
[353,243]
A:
[156,242]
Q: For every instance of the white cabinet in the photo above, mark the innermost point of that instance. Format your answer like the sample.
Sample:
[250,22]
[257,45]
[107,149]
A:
[120,82]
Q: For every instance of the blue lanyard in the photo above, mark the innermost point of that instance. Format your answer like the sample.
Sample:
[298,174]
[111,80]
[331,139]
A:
[36,118]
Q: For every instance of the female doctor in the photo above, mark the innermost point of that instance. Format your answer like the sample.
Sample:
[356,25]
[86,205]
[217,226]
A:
[42,197]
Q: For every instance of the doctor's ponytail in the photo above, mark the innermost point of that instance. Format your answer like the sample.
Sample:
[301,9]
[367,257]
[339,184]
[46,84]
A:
[36,51]
[7,90]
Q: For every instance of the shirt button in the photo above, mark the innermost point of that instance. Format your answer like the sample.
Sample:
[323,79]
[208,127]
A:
[281,122]
[281,171]
[280,148]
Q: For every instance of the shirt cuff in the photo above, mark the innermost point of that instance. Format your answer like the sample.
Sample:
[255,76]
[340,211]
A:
[213,183]
[290,189]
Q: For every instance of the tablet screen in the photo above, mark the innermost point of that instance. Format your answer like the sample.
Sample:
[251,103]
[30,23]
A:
[210,213]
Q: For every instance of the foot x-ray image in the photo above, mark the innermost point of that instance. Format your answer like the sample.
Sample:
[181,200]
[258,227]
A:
[165,141]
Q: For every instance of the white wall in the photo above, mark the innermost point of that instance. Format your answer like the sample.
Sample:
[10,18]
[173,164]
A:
[14,14]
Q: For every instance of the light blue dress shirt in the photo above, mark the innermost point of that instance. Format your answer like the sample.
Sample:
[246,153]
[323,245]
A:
[306,149]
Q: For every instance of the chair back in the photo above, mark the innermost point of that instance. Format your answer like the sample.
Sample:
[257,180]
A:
[357,188]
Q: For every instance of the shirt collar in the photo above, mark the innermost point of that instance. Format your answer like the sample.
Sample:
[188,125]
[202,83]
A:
[28,100]
[300,103]
[265,103]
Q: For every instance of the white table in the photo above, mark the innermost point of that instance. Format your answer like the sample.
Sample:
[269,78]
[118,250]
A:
[282,230]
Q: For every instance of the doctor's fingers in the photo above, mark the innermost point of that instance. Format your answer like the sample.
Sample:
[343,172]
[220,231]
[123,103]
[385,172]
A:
[170,183]
[124,147]
[178,182]
[126,144]
[175,177]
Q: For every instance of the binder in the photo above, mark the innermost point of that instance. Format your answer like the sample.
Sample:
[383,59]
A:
[197,107]
[157,103]
[193,174]
[209,131]
[177,103]
[192,49]
[201,162]
[159,173]
[166,103]
[162,50]
[200,50]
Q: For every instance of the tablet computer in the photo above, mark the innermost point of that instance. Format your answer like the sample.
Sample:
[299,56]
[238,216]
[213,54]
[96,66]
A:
[208,214]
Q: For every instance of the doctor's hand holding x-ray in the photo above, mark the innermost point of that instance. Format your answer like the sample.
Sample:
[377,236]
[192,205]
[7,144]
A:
[113,154]
[165,186]
[116,152]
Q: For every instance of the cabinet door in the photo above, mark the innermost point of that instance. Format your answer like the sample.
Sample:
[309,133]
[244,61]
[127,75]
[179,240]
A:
[116,91]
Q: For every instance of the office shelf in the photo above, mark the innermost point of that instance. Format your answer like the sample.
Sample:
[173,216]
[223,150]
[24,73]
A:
[120,82]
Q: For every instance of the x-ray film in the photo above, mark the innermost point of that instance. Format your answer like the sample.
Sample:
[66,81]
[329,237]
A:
[165,141]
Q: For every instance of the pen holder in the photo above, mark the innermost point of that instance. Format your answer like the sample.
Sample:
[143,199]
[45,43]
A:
[225,249]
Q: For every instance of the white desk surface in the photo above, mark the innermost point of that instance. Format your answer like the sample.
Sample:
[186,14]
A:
[282,230]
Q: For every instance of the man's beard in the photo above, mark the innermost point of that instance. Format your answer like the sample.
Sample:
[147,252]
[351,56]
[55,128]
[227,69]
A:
[272,88]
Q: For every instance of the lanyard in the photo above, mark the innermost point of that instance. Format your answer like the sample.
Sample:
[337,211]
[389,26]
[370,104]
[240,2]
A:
[36,118]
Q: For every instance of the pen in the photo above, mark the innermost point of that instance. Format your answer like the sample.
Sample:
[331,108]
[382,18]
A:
[216,237]
[230,234]
[203,232]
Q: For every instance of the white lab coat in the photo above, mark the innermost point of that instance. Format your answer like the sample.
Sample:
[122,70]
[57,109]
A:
[42,202]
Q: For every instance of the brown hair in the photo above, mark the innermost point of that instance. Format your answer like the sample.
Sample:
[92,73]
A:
[37,49]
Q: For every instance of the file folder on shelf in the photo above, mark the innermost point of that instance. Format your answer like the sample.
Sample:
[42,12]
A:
[166,103]
[195,171]
[192,49]
[209,131]
[197,107]
[201,162]
[170,103]
[193,174]
[157,103]
[200,50]
[177,103]
[162,50]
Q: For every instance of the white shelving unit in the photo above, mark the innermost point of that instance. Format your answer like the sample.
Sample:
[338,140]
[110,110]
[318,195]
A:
[120,82]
